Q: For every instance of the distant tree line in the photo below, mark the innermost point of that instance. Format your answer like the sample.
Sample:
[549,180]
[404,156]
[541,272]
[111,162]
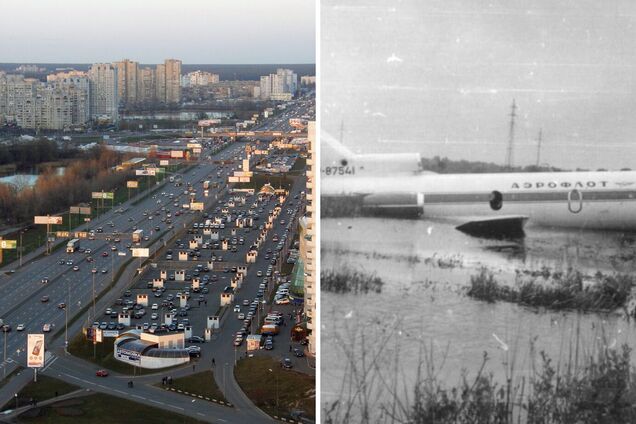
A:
[447,166]
[54,193]
[27,154]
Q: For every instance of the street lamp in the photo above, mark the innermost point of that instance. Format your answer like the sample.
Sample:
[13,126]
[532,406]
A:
[93,296]
[277,411]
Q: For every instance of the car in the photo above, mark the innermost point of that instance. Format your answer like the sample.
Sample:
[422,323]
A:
[94,270]
[46,328]
[104,253]
[103,325]
[20,327]
[259,274]
[87,251]
[44,280]
[194,351]
[104,270]
[196,339]
[238,341]
[246,302]
[62,305]
[237,308]
[298,353]
[69,262]
[155,306]
[241,316]
[113,248]
[269,345]
[75,268]
[287,363]
[6,328]
[101,373]
[44,299]
[127,293]
[154,316]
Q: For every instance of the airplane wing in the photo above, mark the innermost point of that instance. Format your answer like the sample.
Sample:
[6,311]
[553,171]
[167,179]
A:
[503,226]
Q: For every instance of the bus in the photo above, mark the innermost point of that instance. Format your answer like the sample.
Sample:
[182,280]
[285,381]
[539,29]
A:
[72,245]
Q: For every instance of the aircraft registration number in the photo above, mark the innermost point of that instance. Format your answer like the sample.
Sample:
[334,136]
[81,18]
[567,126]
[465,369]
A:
[340,170]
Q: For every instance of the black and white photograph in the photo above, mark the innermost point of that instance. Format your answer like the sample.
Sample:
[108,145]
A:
[478,211]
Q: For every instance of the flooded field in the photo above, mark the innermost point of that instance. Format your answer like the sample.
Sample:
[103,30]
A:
[423,314]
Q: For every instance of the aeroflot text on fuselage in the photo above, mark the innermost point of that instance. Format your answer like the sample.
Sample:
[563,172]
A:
[564,184]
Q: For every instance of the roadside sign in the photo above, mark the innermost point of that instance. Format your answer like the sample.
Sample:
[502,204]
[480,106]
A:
[35,350]
[8,244]
[132,184]
[121,253]
[80,234]
[140,252]
[47,220]
[109,195]
[62,234]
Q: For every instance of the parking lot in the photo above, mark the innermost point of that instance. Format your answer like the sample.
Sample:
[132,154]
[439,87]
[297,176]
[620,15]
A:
[210,254]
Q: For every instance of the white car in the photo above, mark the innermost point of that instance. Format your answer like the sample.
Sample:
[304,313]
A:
[241,316]
[20,327]
[155,306]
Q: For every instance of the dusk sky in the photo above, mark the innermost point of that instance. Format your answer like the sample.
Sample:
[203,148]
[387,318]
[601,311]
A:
[195,31]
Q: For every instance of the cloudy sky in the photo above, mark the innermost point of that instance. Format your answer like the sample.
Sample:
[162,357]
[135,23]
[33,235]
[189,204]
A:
[195,31]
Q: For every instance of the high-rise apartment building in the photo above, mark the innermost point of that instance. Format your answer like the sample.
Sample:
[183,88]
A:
[147,85]
[127,76]
[200,78]
[103,92]
[173,80]
[279,86]
[75,86]
[308,242]
[160,83]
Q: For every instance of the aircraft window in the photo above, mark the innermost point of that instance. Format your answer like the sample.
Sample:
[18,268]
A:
[343,162]
[496,200]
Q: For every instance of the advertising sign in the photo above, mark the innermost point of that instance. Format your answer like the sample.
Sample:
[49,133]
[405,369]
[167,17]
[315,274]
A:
[132,184]
[164,162]
[110,333]
[8,244]
[35,350]
[145,172]
[48,220]
[140,252]
[196,206]
[110,195]
[176,153]
[80,210]
[80,234]
[130,355]
[62,234]
[99,335]
[96,195]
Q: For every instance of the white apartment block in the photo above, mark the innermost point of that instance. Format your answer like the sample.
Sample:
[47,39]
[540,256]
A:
[282,85]
[173,80]
[103,92]
[308,243]
[198,78]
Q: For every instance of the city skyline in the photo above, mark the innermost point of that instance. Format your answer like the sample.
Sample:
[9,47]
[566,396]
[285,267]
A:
[261,33]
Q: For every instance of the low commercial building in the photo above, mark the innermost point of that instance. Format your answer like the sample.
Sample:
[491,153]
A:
[151,350]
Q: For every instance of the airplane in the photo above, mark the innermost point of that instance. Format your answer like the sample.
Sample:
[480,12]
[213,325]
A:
[484,205]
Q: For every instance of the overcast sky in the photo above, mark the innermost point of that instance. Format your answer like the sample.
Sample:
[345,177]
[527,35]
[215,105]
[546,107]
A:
[148,31]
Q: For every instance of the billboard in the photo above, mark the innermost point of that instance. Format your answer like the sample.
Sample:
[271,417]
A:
[145,172]
[193,146]
[176,153]
[63,234]
[80,210]
[48,220]
[164,162]
[110,195]
[140,252]
[8,244]
[99,335]
[110,333]
[103,195]
[35,350]
[208,122]
[132,184]
[96,195]
[196,206]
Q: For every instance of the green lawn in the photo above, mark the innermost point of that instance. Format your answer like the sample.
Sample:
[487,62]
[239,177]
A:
[100,408]
[200,384]
[44,389]
[290,389]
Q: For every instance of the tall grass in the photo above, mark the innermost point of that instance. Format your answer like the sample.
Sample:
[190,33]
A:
[587,384]
[346,280]
[561,291]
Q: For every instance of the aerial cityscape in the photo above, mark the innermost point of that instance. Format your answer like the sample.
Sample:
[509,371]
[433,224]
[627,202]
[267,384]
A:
[157,216]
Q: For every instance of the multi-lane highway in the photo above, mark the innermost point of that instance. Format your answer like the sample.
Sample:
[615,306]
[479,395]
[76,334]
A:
[23,291]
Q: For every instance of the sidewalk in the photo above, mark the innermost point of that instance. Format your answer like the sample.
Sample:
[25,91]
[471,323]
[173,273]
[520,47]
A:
[12,414]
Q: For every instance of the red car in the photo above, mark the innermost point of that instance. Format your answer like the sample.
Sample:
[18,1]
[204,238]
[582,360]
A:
[104,254]
[101,373]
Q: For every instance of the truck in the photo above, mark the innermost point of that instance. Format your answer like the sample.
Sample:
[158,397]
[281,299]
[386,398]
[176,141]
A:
[206,185]
[72,245]
[269,330]
[137,235]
